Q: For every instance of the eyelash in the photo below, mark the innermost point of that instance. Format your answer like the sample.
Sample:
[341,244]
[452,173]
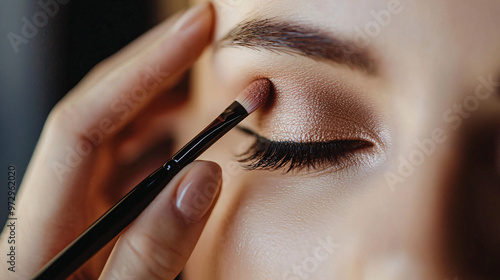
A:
[266,154]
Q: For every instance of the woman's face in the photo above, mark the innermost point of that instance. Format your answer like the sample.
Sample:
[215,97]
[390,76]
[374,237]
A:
[378,155]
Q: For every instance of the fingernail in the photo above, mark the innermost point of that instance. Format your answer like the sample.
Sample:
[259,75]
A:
[190,16]
[197,191]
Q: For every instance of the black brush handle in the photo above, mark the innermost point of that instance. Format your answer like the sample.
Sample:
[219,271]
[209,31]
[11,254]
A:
[233,115]
[108,226]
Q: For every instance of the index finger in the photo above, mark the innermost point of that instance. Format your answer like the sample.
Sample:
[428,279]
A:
[121,92]
[56,181]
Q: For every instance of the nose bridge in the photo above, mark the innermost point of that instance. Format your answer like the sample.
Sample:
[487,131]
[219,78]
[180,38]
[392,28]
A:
[469,197]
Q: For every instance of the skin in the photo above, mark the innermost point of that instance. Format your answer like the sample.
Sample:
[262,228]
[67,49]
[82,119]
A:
[430,56]
[363,219]
[60,198]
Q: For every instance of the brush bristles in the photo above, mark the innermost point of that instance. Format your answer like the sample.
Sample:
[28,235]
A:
[255,95]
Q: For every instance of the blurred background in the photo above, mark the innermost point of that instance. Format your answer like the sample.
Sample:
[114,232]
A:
[46,47]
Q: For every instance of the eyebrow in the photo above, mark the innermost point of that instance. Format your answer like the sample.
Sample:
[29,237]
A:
[296,39]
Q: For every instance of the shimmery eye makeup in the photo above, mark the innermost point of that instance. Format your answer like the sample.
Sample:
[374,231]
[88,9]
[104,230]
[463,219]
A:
[266,154]
[319,117]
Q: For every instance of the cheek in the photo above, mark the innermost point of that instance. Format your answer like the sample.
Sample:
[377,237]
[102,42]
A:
[281,228]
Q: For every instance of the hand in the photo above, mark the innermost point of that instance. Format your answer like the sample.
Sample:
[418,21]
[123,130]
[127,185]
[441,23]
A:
[102,139]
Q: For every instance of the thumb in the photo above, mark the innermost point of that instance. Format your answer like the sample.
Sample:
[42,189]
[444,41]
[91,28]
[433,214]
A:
[158,244]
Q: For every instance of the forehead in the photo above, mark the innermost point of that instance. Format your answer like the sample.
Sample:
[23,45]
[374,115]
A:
[345,14]
[458,30]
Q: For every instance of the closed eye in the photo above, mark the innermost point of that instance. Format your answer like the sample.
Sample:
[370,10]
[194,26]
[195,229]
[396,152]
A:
[265,154]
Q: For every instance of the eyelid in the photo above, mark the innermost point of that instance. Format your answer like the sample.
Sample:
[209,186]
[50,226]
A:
[265,154]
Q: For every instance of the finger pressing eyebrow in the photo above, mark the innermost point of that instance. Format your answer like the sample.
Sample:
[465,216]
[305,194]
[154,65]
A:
[294,38]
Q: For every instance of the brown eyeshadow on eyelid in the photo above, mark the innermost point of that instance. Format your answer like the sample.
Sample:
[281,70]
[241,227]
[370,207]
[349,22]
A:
[310,101]
[313,109]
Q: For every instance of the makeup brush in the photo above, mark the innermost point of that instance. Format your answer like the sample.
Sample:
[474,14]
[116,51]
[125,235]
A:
[109,225]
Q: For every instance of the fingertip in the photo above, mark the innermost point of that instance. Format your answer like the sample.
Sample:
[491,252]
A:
[198,191]
[159,243]
[199,12]
[211,167]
